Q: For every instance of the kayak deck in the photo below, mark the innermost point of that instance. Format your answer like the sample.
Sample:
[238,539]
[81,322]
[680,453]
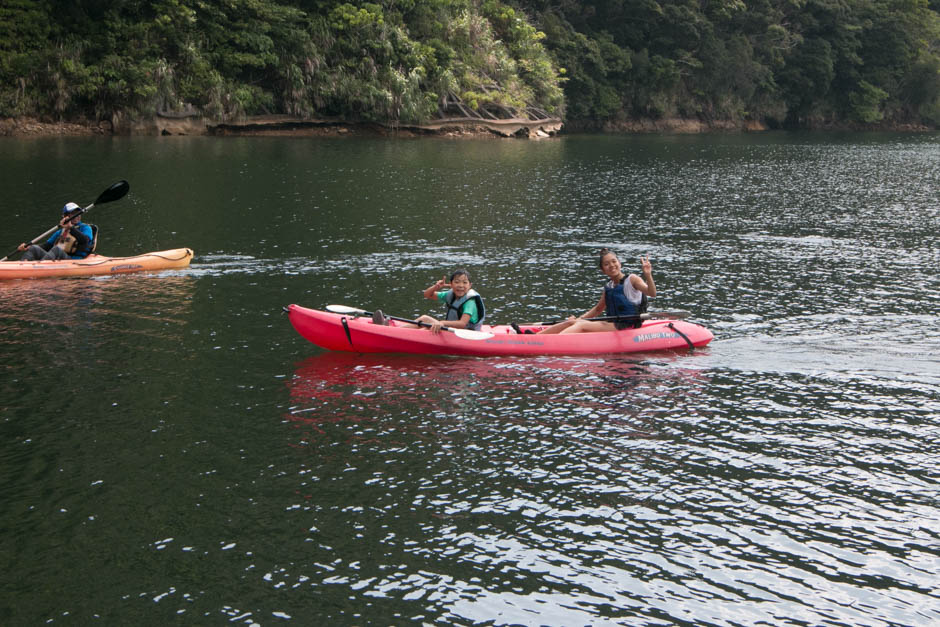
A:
[94,265]
[341,332]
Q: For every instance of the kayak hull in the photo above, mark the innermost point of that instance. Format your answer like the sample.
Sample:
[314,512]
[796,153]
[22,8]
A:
[327,330]
[94,265]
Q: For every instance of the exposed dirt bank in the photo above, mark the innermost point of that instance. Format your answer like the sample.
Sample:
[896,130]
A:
[31,127]
[283,126]
[278,125]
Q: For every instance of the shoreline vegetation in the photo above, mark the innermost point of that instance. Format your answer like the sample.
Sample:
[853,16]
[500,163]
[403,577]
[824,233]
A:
[283,125]
[280,125]
[508,68]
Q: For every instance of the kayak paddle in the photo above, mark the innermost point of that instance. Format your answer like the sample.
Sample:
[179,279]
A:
[466,334]
[654,315]
[115,192]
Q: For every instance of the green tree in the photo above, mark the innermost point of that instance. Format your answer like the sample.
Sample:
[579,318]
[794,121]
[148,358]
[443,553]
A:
[800,62]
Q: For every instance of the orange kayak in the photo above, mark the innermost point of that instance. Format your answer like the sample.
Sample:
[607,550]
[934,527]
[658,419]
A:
[96,265]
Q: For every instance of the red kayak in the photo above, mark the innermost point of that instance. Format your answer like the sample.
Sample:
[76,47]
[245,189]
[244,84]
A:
[345,332]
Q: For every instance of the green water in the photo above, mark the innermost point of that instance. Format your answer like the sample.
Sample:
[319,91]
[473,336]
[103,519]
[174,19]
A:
[171,450]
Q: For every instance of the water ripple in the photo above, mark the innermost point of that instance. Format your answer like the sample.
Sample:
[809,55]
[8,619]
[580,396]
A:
[729,514]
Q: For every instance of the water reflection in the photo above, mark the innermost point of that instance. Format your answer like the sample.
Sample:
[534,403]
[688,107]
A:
[785,475]
[64,301]
[333,387]
[51,323]
[490,490]
[510,475]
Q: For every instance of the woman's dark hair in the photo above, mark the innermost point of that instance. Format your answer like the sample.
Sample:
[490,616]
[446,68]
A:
[460,272]
[603,252]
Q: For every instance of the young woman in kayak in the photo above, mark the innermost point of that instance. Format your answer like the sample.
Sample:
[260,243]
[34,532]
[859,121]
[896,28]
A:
[465,308]
[622,296]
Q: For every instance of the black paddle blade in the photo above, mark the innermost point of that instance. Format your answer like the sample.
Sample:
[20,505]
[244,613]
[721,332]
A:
[115,192]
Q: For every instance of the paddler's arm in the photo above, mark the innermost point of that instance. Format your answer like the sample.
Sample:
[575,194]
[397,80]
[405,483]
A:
[53,239]
[81,239]
[457,324]
[647,286]
[453,324]
[433,289]
[595,310]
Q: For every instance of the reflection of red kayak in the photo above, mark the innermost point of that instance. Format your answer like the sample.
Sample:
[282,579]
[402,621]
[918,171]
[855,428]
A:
[342,396]
[336,374]
[347,333]
[97,265]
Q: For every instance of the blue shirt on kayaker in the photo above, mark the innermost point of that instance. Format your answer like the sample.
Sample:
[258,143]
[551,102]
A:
[72,240]
[623,296]
[465,309]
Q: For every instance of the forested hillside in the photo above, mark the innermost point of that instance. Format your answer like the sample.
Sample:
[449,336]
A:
[780,62]
[795,62]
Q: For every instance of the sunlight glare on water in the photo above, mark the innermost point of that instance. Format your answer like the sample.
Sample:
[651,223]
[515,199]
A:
[173,450]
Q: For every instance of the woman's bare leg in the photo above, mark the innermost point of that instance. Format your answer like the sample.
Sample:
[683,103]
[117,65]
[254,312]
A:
[557,328]
[589,326]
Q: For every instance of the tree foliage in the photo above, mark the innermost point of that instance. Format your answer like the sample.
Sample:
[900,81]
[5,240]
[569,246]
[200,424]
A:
[785,62]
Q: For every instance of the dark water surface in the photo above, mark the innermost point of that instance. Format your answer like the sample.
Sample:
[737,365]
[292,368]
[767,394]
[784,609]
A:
[172,451]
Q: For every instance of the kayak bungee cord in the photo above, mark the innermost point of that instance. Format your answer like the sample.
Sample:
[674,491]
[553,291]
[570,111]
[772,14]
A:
[683,335]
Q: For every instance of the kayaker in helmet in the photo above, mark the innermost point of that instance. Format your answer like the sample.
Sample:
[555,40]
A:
[465,309]
[73,239]
[623,295]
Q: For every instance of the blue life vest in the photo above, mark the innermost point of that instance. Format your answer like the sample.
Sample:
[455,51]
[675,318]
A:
[617,303]
[454,308]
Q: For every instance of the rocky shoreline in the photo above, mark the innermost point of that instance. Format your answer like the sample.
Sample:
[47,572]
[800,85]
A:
[283,126]
[31,127]
[278,125]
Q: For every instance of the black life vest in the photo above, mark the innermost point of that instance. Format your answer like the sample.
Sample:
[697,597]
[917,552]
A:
[455,307]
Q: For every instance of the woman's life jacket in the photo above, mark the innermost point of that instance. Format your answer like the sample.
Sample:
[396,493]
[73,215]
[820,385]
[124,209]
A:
[622,299]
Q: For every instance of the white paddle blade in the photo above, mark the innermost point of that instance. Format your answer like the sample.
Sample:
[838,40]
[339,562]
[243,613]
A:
[343,309]
[468,334]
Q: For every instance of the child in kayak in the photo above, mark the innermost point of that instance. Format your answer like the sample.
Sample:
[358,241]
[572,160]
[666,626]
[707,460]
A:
[465,308]
[623,295]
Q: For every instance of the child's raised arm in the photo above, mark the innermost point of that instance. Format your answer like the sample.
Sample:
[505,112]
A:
[437,287]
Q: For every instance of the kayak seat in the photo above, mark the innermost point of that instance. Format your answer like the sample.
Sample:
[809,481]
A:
[94,237]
